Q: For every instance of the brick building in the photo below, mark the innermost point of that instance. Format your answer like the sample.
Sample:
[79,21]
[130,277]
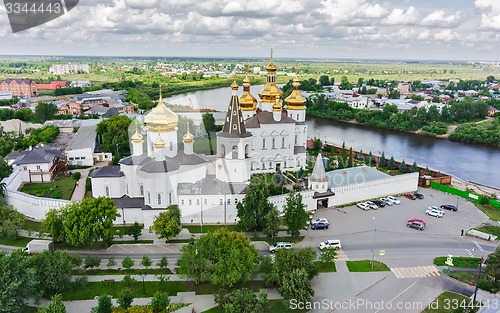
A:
[19,87]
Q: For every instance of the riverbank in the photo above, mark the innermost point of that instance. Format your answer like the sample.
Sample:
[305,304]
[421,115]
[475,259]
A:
[449,134]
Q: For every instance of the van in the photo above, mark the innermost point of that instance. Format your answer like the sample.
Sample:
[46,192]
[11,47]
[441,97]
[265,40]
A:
[279,245]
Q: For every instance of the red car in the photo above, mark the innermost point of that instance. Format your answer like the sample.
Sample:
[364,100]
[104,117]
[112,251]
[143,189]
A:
[417,220]
[411,196]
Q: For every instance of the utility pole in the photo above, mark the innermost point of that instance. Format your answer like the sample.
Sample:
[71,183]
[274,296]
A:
[374,237]
[478,276]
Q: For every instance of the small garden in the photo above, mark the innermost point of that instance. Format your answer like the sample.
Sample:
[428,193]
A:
[458,261]
[451,302]
[366,266]
[61,188]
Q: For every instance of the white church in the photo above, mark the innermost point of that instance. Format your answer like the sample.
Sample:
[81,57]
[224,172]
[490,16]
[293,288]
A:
[258,136]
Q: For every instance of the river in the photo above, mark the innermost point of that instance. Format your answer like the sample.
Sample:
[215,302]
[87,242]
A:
[470,162]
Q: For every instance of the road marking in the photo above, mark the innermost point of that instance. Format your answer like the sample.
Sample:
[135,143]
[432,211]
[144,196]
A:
[415,272]
[398,295]
[469,253]
[478,245]
[341,256]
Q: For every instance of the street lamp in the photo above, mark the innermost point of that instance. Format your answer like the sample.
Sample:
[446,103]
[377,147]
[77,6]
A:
[143,275]
[374,236]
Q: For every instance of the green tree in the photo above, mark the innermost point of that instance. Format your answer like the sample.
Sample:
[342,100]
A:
[382,162]
[114,135]
[328,254]
[244,301]
[146,261]
[17,281]
[104,304]
[111,262]
[369,159]
[24,114]
[163,263]
[45,111]
[209,123]
[160,301]
[361,156]
[82,223]
[296,217]
[53,270]
[226,257]
[433,114]
[427,171]
[11,221]
[135,230]
[493,264]
[351,158]
[392,164]
[273,222]
[297,286]
[253,209]
[317,144]
[414,167]
[125,298]
[92,261]
[127,263]
[324,80]
[5,168]
[402,167]
[167,224]
[56,306]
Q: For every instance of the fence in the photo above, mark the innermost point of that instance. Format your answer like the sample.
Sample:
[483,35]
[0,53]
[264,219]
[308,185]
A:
[466,194]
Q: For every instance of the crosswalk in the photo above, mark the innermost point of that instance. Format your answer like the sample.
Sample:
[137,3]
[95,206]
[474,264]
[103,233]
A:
[415,272]
[478,245]
[341,256]
[469,253]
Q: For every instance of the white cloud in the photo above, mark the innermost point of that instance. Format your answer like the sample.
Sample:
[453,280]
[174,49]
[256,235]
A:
[400,17]
[439,19]
[339,11]
[490,13]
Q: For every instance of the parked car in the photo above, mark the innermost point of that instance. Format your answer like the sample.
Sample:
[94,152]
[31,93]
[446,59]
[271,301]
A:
[434,212]
[411,196]
[372,205]
[387,201]
[416,225]
[450,207]
[419,195]
[379,203]
[335,243]
[435,208]
[319,220]
[394,199]
[279,245]
[363,206]
[319,226]
[417,220]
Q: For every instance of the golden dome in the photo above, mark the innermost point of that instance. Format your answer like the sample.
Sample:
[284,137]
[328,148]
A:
[295,101]
[234,85]
[161,118]
[270,91]
[247,101]
[159,143]
[137,138]
[277,105]
[188,137]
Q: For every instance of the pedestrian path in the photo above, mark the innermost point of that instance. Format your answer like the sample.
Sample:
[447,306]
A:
[341,267]
[415,272]
[469,253]
[478,245]
[341,256]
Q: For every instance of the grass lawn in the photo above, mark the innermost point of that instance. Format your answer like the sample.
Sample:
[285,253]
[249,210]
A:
[458,261]
[207,288]
[465,277]
[132,271]
[446,301]
[131,242]
[326,267]
[489,229]
[276,306]
[98,245]
[33,226]
[210,228]
[61,188]
[19,242]
[29,309]
[492,212]
[93,289]
[365,266]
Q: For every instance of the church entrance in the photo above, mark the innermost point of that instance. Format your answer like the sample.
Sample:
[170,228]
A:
[322,203]
[278,165]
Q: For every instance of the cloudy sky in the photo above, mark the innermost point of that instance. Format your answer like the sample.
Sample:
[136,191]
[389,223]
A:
[360,29]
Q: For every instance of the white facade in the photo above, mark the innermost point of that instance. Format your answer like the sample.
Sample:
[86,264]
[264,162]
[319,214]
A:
[59,69]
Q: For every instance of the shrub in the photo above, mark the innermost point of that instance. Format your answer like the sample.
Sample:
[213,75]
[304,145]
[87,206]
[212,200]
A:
[160,301]
[104,304]
[92,261]
[125,298]
[128,281]
[128,263]
[77,175]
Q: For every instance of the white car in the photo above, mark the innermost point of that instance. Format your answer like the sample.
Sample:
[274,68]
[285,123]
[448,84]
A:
[363,206]
[372,205]
[435,213]
[279,245]
[393,199]
[435,208]
[387,201]
[320,220]
[334,243]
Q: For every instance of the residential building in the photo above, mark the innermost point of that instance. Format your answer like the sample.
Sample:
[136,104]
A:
[19,87]
[60,69]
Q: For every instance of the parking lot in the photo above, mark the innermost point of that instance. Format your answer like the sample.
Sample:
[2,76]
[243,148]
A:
[403,246]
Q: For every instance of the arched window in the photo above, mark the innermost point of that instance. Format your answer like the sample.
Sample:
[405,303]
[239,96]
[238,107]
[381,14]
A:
[235,152]
[283,143]
[296,139]
[107,191]
[141,190]
[263,143]
[159,199]
[223,151]
[274,143]
[171,146]
[246,151]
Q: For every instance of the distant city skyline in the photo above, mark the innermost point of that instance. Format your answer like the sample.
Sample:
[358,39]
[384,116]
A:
[302,29]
